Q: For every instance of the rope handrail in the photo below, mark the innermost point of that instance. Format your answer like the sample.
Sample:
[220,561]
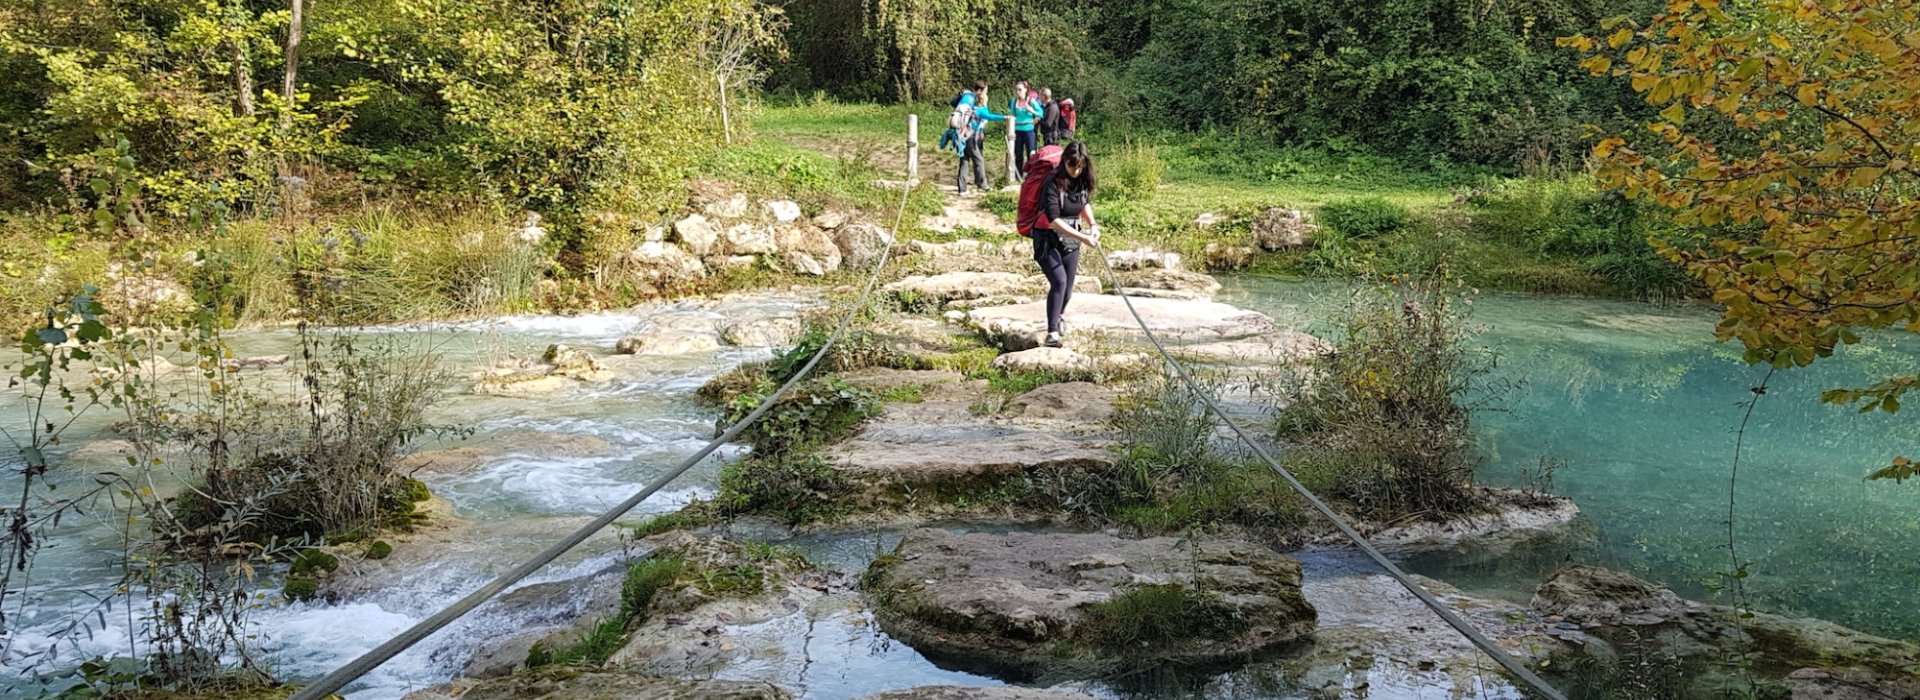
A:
[1447,614]
[358,667]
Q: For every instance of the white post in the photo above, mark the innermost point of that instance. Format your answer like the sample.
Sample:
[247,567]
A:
[1013,168]
[913,148]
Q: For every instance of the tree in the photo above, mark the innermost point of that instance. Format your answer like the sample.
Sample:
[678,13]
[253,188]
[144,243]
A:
[734,33]
[1788,133]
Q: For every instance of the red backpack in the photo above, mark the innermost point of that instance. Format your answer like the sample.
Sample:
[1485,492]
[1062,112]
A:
[1039,168]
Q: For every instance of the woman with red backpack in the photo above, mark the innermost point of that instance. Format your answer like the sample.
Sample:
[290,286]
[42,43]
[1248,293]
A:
[1064,222]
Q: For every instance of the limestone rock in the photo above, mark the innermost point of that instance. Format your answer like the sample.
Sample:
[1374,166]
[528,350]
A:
[1281,227]
[1223,256]
[860,244]
[961,285]
[1078,402]
[1169,284]
[1023,598]
[1280,347]
[730,208]
[733,262]
[763,332]
[569,361]
[666,341]
[1023,326]
[750,239]
[663,265]
[1044,359]
[783,210]
[523,385]
[1144,259]
[809,251]
[1591,593]
[1209,220]
[962,247]
[830,219]
[698,234]
[574,683]
[925,455]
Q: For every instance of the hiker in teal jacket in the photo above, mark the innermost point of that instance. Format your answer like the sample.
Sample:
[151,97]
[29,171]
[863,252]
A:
[1026,110]
[973,145]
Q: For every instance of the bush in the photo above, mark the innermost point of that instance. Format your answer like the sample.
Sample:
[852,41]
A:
[1174,474]
[1386,416]
[1150,617]
[814,413]
[794,488]
[1571,218]
[1364,217]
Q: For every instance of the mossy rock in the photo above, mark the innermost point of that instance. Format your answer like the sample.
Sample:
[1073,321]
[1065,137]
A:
[313,561]
[380,549]
[300,589]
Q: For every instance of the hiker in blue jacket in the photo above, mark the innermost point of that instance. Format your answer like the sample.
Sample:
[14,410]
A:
[972,141]
[1026,110]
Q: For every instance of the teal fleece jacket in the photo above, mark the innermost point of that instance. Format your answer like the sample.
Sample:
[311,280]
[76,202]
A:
[1025,112]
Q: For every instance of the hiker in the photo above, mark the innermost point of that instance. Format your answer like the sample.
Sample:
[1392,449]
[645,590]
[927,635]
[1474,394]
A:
[1025,110]
[1065,222]
[1069,119]
[1050,124]
[968,120]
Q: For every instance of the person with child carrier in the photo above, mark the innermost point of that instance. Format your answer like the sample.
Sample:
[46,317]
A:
[1056,211]
[964,129]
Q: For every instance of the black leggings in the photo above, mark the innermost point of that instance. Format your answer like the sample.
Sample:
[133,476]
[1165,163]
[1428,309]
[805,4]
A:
[1022,150]
[1060,266]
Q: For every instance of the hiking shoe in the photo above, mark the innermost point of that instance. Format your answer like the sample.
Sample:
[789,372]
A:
[1054,341]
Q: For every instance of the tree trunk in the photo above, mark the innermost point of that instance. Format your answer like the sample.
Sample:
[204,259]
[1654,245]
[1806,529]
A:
[242,79]
[726,122]
[294,31]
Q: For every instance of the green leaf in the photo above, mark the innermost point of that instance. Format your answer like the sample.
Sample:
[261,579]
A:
[50,336]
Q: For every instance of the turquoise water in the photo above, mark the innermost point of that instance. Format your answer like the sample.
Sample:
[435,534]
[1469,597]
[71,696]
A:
[1643,405]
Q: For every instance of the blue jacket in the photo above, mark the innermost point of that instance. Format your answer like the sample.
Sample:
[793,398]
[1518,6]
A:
[1025,112]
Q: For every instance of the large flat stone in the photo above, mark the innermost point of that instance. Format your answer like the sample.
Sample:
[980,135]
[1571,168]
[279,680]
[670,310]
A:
[1023,326]
[1024,598]
[933,454]
[573,683]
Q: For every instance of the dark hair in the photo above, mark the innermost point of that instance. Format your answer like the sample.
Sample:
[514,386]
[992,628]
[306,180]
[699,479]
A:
[1076,152]
[979,86]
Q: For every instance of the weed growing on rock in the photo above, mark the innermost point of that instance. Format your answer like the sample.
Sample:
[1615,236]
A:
[793,488]
[815,413]
[1146,619]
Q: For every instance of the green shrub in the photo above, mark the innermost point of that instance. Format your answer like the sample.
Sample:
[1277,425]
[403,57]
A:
[1387,414]
[794,488]
[1364,217]
[690,517]
[1571,218]
[746,379]
[813,413]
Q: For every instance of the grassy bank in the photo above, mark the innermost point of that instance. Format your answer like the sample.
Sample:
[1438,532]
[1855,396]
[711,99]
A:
[1530,234]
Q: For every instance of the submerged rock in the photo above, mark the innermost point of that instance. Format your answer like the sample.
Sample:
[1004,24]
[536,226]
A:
[481,451]
[1022,326]
[1038,601]
[667,341]
[966,692]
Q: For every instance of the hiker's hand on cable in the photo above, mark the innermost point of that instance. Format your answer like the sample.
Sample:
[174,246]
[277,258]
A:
[1093,236]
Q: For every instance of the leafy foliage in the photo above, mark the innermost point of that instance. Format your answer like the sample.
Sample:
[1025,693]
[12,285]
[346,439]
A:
[1364,217]
[1786,138]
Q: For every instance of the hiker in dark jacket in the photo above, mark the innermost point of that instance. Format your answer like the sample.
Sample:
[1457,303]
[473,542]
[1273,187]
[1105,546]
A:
[1050,123]
[1066,203]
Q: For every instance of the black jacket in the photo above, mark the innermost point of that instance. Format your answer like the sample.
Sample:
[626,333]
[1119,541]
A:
[1062,200]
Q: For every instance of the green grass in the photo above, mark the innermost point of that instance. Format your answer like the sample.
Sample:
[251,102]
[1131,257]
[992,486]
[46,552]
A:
[1151,618]
[643,581]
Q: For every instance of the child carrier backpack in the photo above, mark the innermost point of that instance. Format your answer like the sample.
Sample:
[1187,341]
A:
[961,120]
[1039,168]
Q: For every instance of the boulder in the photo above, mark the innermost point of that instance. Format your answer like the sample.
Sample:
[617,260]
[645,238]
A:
[783,210]
[1168,284]
[860,244]
[570,362]
[664,265]
[751,239]
[665,341]
[698,235]
[808,251]
[1590,593]
[523,385]
[1083,403]
[763,332]
[1034,600]
[1023,326]
[730,208]
[1223,256]
[953,286]
[1143,259]
[1280,228]
[577,683]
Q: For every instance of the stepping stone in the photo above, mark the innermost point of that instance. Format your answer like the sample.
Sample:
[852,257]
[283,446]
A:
[1023,326]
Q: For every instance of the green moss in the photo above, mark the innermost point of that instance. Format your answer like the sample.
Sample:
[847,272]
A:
[311,561]
[740,381]
[974,363]
[732,581]
[380,549]
[1153,617]
[907,393]
[688,518]
[300,588]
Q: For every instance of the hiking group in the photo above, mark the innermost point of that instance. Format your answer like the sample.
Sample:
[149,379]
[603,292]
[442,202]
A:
[1056,191]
